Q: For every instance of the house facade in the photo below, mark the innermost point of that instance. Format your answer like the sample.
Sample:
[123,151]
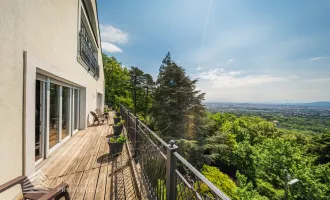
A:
[51,78]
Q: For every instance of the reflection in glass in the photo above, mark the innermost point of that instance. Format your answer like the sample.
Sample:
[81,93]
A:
[65,112]
[38,121]
[53,115]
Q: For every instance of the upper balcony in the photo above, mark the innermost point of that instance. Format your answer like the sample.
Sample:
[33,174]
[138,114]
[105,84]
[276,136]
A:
[147,168]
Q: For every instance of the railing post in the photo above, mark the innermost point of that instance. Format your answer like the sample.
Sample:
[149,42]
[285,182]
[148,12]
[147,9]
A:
[170,171]
[136,143]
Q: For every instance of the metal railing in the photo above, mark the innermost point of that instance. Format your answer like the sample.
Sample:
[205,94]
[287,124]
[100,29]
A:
[87,53]
[166,174]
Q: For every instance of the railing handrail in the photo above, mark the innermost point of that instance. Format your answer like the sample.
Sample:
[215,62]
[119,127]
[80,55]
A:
[153,134]
[198,174]
[216,190]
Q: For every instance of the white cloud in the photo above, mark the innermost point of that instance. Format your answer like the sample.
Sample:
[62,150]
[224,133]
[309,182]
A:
[110,36]
[199,68]
[317,58]
[218,78]
[111,48]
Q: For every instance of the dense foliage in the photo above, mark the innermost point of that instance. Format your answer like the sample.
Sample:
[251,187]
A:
[130,87]
[262,158]
[247,157]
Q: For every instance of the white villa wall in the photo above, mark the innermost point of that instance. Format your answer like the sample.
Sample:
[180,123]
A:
[11,88]
[52,37]
[48,31]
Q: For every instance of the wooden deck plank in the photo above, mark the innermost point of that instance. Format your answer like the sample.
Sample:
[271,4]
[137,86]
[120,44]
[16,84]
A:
[91,187]
[109,184]
[84,163]
[79,155]
[81,188]
[120,185]
[64,153]
[65,157]
[78,137]
[73,184]
[101,184]
[129,186]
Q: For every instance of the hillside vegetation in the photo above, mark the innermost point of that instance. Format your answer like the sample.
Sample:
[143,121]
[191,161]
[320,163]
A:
[247,157]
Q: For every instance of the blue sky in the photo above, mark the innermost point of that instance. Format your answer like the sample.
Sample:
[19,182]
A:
[241,51]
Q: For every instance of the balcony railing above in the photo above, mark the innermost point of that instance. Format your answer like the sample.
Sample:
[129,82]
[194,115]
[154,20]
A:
[87,55]
[166,174]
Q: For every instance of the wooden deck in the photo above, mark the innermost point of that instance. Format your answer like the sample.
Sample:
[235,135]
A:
[84,163]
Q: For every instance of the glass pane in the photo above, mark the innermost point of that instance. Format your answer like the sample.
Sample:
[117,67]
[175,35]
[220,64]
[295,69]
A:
[65,112]
[76,109]
[53,115]
[38,121]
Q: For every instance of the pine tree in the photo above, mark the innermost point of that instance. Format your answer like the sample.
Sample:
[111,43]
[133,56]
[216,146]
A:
[137,81]
[175,100]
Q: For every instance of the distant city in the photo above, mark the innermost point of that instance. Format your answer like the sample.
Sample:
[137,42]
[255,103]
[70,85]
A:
[316,109]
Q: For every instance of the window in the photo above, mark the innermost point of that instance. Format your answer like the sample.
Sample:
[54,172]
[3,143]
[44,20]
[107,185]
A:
[87,46]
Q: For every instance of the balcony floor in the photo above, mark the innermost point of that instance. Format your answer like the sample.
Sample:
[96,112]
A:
[83,162]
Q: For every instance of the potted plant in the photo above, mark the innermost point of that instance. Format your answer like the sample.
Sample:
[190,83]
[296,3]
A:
[116,144]
[118,112]
[118,127]
[116,120]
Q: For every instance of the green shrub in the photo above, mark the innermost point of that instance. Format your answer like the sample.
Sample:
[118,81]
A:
[220,180]
[122,122]
[267,189]
[120,139]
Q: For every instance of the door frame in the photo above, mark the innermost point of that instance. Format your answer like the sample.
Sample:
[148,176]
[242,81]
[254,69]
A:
[36,68]
[75,130]
[45,82]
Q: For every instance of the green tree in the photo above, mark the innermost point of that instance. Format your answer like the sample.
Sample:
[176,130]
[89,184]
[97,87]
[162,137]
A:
[149,88]
[321,147]
[116,81]
[218,150]
[245,190]
[137,82]
[175,101]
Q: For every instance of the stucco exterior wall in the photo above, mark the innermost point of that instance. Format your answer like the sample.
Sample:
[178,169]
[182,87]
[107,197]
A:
[48,31]
[11,90]
[52,36]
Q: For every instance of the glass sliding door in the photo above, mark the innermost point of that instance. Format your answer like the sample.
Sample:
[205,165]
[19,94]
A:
[54,108]
[76,109]
[57,114]
[65,112]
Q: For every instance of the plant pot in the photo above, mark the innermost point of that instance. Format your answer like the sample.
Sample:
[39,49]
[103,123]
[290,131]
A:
[118,114]
[116,120]
[115,149]
[117,130]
